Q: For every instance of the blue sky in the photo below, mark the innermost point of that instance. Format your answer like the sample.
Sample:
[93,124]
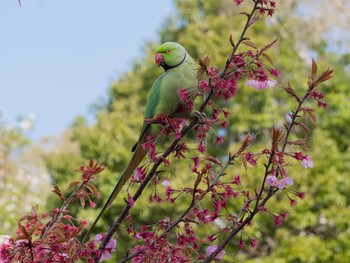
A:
[58,57]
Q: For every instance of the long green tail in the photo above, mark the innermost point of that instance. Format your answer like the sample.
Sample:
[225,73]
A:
[137,157]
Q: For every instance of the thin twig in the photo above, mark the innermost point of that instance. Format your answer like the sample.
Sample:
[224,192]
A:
[57,217]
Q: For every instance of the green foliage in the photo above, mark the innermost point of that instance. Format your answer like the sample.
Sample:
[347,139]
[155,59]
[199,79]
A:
[317,228]
[24,181]
[335,120]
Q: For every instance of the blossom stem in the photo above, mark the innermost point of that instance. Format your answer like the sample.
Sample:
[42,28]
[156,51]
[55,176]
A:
[241,38]
[57,217]
[293,122]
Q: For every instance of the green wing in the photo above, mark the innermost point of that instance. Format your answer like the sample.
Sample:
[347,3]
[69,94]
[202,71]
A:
[152,102]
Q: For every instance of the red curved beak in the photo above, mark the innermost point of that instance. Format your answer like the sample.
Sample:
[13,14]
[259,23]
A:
[158,58]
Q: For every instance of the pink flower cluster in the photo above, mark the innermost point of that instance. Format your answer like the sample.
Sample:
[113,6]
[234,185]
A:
[224,87]
[318,96]
[61,244]
[210,250]
[260,85]
[55,238]
[106,254]
[306,160]
[280,184]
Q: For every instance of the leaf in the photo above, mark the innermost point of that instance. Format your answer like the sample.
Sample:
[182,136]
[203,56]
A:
[77,231]
[200,73]
[253,20]
[25,232]
[73,184]
[250,44]
[277,136]
[203,66]
[301,142]
[58,232]
[313,68]
[231,41]
[291,91]
[99,169]
[244,13]
[212,159]
[27,217]
[268,46]
[311,111]
[244,144]
[71,248]
[205,62]
[244,162]
[92,188]
[268,58]
[34,228]
[58,192]
[91,164]
[303,125]
[326,75]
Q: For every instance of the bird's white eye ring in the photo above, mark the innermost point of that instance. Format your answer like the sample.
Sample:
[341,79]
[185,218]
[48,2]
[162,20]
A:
[168,51]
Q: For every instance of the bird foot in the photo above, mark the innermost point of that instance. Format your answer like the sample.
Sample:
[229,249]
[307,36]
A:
[200,117]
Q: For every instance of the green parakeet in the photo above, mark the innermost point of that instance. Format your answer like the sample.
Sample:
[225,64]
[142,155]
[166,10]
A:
[163,98]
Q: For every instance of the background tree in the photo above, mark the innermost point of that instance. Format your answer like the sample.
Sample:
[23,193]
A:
[24,180]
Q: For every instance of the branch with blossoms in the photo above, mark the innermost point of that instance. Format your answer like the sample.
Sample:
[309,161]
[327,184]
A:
[197,195]
[274,180]
[217,85]
[275,177]
[54,237]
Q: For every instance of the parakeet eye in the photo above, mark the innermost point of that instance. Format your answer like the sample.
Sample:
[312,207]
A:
[168,51]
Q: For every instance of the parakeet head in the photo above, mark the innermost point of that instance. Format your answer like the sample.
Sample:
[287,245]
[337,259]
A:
[170,55]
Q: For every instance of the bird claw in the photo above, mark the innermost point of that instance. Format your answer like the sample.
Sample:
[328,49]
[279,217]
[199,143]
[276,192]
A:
[199,116]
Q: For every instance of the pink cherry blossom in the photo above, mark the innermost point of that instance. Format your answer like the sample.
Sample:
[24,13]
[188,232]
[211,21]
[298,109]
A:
[98,238]
[285,181]
[280,184]
[166,182]
[109,248]
[272,180]
[238,2]
[307,162]
[211,249]
[260,85]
